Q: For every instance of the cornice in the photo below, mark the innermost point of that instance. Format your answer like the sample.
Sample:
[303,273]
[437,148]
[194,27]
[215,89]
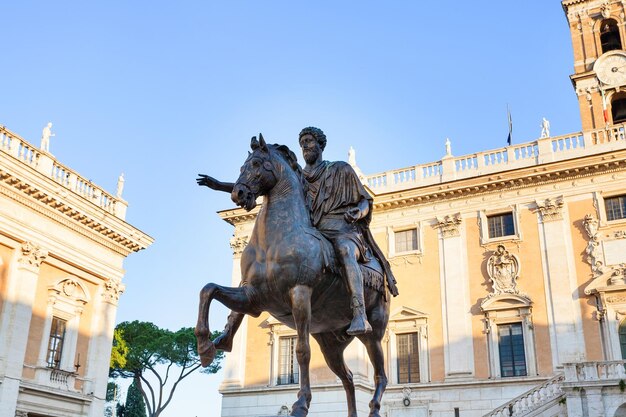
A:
[236,216]
[106,230]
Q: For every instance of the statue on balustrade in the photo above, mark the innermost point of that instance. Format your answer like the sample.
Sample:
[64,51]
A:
[311,261]
[45,137]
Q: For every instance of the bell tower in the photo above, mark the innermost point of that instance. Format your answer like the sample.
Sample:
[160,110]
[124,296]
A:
[599,43]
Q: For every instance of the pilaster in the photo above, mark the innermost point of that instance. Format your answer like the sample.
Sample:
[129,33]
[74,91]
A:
[235,362]
[105,310]
[16,315]
[457,327]
[561,291]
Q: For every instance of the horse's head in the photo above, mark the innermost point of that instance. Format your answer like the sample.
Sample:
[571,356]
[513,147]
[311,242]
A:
[258,175]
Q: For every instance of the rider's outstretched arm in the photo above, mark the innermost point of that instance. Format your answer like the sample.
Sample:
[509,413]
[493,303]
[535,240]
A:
[214,184]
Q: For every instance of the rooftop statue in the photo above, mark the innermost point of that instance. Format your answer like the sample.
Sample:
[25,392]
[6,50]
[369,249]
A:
[45,137]
[317,270]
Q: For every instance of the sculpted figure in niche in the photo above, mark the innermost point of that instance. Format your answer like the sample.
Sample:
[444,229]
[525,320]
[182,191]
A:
[503,269]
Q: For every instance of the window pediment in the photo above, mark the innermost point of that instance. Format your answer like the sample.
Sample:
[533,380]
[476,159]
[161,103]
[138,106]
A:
[70,289]
[505,302]
[406,313]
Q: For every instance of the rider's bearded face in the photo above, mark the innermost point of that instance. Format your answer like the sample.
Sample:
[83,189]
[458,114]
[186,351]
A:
[311,149]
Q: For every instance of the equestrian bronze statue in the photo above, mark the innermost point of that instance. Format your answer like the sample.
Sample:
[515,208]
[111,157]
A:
[310,262]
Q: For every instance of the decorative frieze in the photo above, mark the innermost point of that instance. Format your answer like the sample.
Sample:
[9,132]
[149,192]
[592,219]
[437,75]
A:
[503,269]
[449,225]
[551,209]
[620,234]
[32,254]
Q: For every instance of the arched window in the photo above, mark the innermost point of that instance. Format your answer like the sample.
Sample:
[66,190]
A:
[609,35]
[618,108]
[622,338]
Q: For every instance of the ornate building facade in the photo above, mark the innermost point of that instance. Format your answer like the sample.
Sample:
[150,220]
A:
[511,265]
[63,241]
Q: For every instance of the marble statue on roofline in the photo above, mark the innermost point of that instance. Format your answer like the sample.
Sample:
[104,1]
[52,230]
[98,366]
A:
[45,137]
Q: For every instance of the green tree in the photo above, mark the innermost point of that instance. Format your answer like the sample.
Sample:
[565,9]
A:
[135,405]
[157,360]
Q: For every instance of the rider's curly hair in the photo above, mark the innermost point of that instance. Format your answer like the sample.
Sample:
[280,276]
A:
[317,133]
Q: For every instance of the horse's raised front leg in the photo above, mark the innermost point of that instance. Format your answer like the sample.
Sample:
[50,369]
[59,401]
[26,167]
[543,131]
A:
[301,310]
[332,349]
[237,299]
[225,340]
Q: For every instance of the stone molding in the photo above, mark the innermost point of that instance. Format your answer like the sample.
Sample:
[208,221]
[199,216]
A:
[551,209]
[449,225]
[31,254]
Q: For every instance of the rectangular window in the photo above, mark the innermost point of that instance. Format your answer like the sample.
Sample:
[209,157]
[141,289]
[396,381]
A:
[408,358]
[55,342]
[615,207]
[501,225]
[511,347]
[406,240]
[288,373]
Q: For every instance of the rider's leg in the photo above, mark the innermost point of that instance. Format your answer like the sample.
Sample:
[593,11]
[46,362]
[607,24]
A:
[349,254]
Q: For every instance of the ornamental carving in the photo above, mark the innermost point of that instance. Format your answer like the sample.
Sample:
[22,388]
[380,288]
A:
[551,209]
[238,244]
[620,234]
[449,225]
[605,9]
[591,226]
[112,290]
[503,270]
[604,275]
[69,288]
[616,299]
[32,254]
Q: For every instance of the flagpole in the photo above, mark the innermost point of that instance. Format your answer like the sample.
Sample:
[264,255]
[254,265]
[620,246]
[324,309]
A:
[509,140]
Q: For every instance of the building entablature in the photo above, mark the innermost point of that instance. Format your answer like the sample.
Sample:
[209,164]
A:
[34,179]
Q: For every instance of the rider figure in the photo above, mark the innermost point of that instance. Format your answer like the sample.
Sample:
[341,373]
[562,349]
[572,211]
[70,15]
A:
[340,209]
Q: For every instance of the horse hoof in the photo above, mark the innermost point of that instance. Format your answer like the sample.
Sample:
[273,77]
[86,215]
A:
[207,352]
[223,342]
[299,411]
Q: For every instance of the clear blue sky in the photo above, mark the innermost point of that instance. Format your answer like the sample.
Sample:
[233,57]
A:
[164,90]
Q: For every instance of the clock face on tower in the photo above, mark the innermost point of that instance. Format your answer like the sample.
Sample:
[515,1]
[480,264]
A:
[611,68]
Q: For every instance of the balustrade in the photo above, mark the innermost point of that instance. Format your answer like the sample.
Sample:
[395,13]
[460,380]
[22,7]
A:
[517,156]
[44,162]
[531,399]
[595,371]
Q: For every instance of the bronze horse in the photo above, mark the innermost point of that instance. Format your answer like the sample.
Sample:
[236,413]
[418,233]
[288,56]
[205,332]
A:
[285,272]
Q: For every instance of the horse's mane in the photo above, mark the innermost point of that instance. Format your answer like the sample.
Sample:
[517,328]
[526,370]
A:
[290,157]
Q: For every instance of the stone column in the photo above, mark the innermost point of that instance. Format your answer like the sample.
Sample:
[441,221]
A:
[457,326]
[561,288]
[97,365]
[235,362]
[15,320]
